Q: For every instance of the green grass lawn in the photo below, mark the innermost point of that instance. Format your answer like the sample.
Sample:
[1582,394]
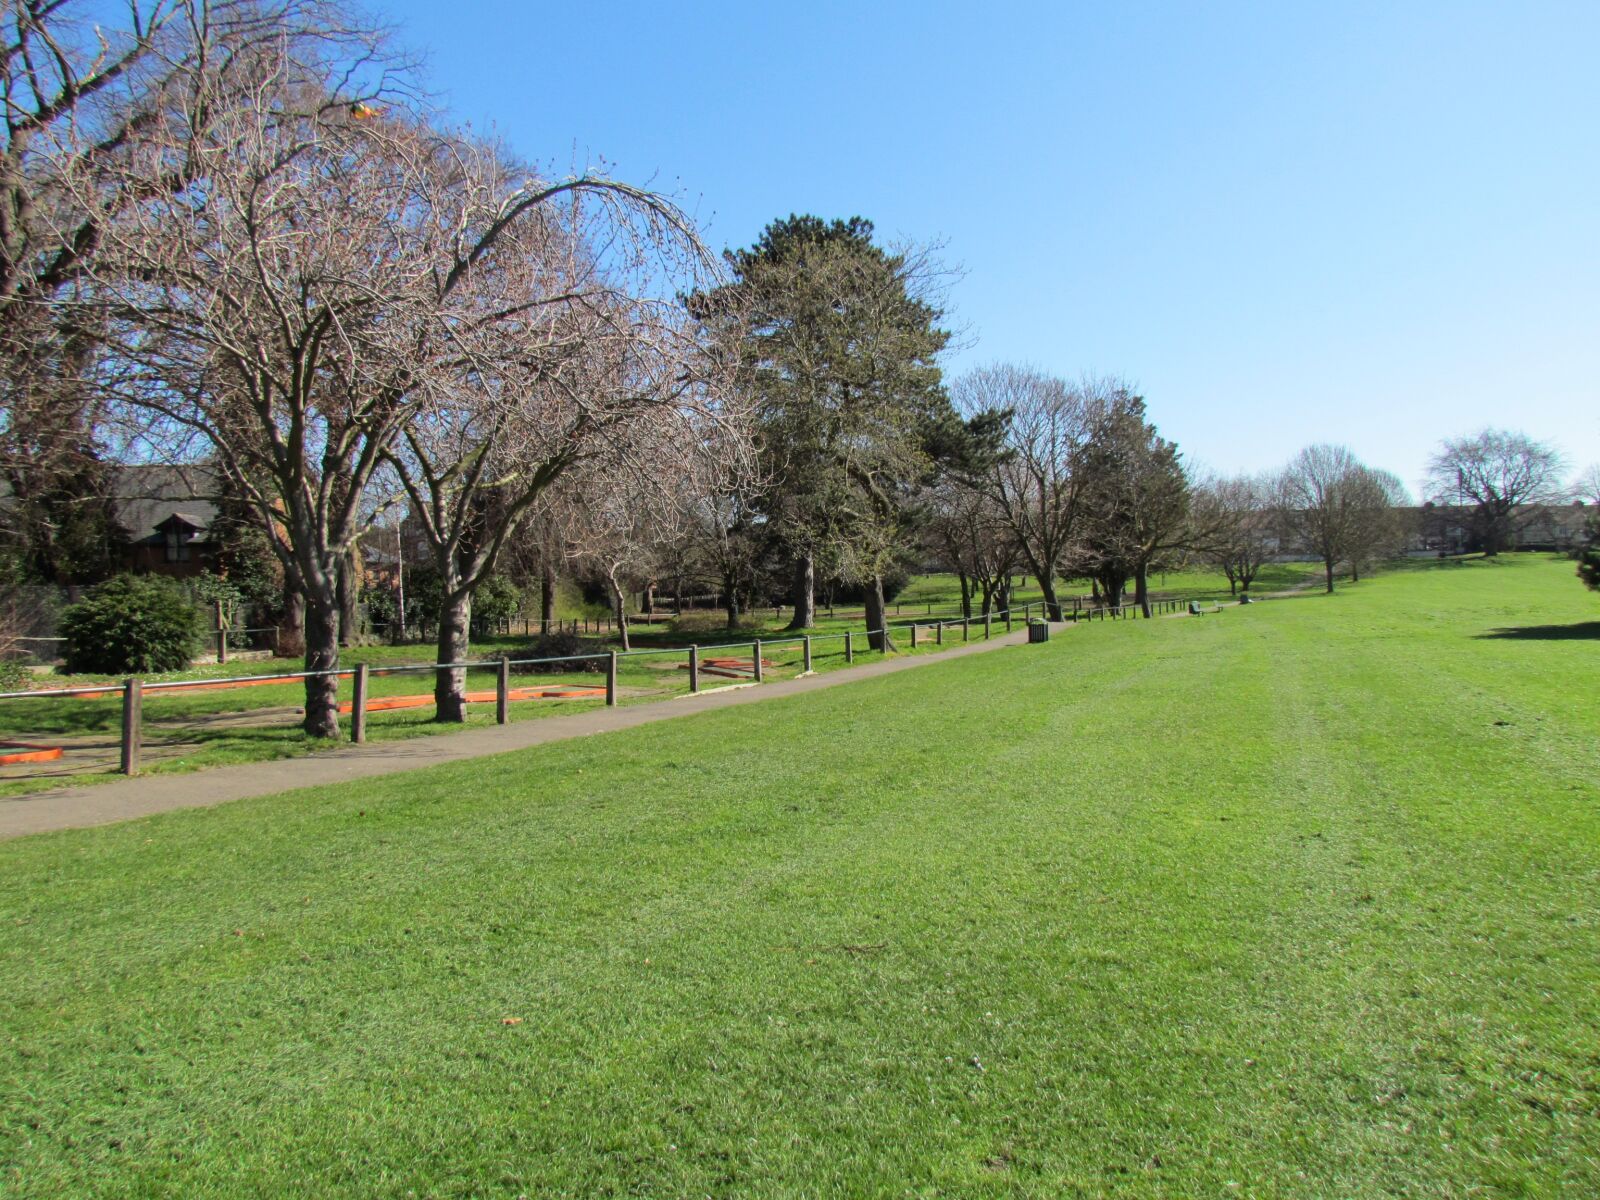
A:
[1301,899]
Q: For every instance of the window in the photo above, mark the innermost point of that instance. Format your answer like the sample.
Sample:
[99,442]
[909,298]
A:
[177,544]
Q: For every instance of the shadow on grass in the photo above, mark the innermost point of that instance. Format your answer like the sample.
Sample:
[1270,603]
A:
[1582,631]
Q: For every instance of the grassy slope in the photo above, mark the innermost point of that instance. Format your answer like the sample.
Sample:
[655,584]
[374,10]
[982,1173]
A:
[1294,900]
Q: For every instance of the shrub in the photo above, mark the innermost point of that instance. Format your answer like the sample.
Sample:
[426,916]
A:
[1589,555]
[130,625]
[558,645]
[14,675]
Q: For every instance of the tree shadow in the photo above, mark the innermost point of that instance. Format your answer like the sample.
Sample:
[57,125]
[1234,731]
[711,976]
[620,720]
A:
[1582,631]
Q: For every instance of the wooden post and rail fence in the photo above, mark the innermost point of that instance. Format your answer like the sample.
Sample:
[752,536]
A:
[133,690]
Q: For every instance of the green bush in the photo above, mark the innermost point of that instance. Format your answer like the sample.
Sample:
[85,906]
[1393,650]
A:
[1589,555]
[558,645]
[130,625]
[14,675]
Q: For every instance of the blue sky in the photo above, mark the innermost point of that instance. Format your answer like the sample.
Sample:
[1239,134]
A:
[1370,224]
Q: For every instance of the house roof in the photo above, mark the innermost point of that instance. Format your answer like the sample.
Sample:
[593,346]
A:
[146,497]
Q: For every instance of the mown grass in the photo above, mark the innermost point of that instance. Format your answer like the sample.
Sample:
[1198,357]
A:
[1294,900]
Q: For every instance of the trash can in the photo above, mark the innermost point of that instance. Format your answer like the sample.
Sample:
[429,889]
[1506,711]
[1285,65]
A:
[1038,631]
[1194,608]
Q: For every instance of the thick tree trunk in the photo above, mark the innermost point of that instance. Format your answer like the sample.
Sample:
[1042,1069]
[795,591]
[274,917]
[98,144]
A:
[292,630]
[966,594]
[322,654]
[805,593]
[455,643]
[1141,589]
[619,605]
[878,618]
[349,599]
[547,601]
[1052,606]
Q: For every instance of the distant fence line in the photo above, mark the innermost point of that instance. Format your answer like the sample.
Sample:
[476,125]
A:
[134,689]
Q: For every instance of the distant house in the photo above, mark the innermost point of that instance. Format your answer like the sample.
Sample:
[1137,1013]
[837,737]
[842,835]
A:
[166,515]
[1448,528]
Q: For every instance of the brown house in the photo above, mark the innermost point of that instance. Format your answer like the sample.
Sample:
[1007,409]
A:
[166,515]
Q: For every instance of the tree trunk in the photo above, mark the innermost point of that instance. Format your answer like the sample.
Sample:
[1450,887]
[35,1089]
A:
[1112,583]
[349,598]
[966,594]
[619,605]
[805,593]
[292,630]
[730,598]
[547,601]
[322,654]
[1141,589]
[1052,606]
[878,618]
[450,683]
[1327,564]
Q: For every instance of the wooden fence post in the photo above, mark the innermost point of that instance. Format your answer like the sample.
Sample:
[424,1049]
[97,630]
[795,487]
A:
[358,706]
[805,654]
[694,668]
[938,633]
[986,630]
[966,629]
[132,725]
[1008,618]
[756,659]
[611,679]
[849,648]
[913,635]
[502,692]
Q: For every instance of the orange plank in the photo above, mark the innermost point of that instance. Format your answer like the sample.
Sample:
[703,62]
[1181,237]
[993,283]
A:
[26,752]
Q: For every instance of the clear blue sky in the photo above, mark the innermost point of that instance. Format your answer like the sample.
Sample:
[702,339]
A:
[1371,224]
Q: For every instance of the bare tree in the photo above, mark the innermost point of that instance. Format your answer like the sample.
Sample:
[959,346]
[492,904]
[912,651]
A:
[563,347]
[623,509]
[730,541]
[1499,474]
[1242,518]
[1338,506]
[1032,484]
[88,88]
[268,314]
[1379,525]
[967,532]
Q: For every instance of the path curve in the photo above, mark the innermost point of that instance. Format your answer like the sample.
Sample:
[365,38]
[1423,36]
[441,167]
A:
[128,799]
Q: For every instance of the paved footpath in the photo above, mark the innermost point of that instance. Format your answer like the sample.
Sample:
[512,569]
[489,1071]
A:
[125,799]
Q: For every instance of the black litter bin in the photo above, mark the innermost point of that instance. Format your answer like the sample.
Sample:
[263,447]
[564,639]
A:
[1038,631]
